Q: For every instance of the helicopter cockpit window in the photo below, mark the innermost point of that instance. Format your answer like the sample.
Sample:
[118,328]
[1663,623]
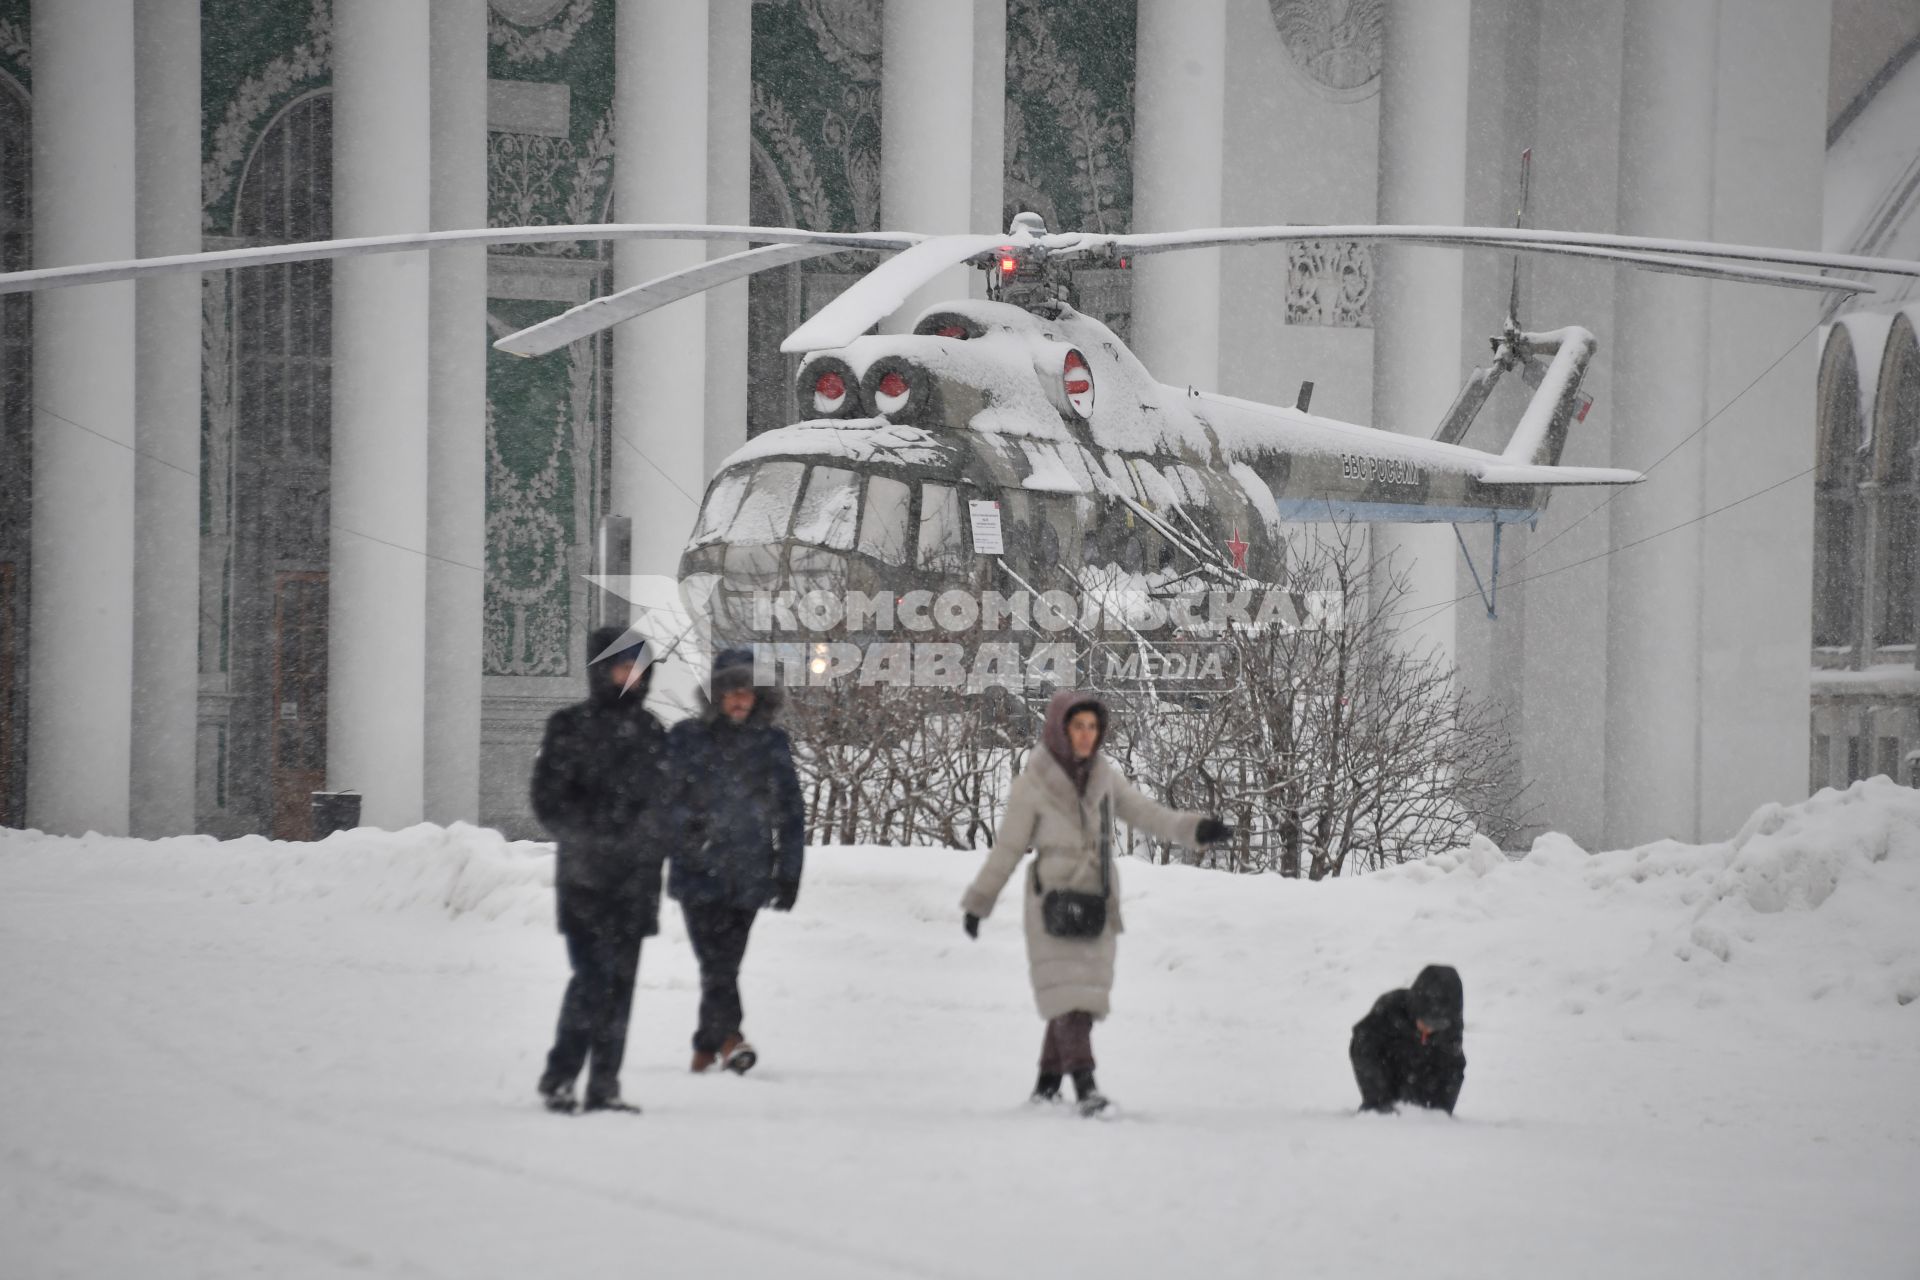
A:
[883,530]
[723,501]
[940,535]
[763,513]
[829,510]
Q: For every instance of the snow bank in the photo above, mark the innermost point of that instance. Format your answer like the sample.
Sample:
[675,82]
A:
[1817,899]
[288,1059]
[456,871]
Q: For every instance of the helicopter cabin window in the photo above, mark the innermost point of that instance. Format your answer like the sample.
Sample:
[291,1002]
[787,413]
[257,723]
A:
[723,501]
[940,535]
[829,510]
[883,530]
[763,513]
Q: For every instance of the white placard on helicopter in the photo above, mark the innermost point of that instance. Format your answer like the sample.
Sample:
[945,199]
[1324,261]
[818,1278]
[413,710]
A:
[985,518]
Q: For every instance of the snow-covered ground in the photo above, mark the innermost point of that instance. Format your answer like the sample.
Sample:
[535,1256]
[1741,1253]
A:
[318,1059]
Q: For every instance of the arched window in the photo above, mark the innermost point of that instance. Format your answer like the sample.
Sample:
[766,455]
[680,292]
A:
[1836,582]
[283,404]
[1896,432]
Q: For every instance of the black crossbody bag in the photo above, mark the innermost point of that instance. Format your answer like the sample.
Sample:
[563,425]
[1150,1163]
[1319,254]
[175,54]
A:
[1069,913]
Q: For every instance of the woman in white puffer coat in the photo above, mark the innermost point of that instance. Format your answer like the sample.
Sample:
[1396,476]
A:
[1062,806]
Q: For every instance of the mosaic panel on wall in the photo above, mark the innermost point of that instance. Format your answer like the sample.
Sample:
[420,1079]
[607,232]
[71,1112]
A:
[542,441]
[1070,113]
[816,111]
[16,397]
[549,161]
[16,52]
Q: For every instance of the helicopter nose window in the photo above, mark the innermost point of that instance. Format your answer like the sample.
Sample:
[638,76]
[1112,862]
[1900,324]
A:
[763,512]
[883,532]
[723,501]
[829,510]
[940,546]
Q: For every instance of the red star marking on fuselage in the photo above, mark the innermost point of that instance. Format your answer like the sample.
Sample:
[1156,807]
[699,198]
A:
[1239,550]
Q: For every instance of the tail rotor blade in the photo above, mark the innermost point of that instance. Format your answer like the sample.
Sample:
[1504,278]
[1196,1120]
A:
[1519,221]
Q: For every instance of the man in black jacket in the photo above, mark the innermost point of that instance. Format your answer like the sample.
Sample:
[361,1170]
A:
[600,787]
[1409,1047]
[743,825]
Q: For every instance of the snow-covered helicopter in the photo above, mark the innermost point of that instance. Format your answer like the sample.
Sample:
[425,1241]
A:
[1017,443]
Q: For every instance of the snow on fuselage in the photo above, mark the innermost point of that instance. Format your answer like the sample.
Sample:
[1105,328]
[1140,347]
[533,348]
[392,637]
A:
[1096,467]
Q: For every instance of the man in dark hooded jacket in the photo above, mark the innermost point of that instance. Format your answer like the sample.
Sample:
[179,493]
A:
[600,787]
[741,830]
[1409,1047]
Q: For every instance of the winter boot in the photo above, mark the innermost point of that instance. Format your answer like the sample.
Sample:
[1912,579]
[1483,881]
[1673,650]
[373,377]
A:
[1046,1089]
[1092,1101]
[610,1102]
[703,1061]
[559,1097]
[737,1056]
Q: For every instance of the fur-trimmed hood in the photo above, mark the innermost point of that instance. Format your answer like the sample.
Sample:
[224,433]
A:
[733,669]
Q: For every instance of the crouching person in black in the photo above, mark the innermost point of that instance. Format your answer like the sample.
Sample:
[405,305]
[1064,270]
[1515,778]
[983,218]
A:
[1408,1048]
[599,784]
[743,825]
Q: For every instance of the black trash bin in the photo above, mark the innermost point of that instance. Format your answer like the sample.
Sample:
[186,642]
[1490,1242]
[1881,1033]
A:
[335,811]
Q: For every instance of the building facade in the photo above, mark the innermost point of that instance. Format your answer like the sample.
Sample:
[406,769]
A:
[352,549]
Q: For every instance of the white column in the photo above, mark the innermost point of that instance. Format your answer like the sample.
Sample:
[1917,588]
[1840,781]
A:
[729,200]
[926,133]
[1179,124]
[1757,558]
[1418,293]
[166,609]
[989,123]
[80,623]
[659,360]
[376,622]
[1563,672]
[1653,591]
[456,415]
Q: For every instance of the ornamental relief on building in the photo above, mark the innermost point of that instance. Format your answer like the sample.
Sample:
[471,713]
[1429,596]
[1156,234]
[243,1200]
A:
[1336,45]
[532,31]
[1330,282]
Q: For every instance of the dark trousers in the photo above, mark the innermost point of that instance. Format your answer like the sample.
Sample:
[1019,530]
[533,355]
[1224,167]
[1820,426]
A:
[603,945]
[719,937]
[1389,1072]
[1068,1046]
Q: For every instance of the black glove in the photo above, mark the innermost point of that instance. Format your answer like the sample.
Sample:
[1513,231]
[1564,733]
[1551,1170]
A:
[784,894]
[1212,831]
[972,925]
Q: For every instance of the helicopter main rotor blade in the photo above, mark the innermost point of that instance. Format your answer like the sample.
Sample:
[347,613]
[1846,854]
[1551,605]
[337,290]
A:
[880,292]
[306,251]
[610,309]
[1678,265]
[1532,239]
